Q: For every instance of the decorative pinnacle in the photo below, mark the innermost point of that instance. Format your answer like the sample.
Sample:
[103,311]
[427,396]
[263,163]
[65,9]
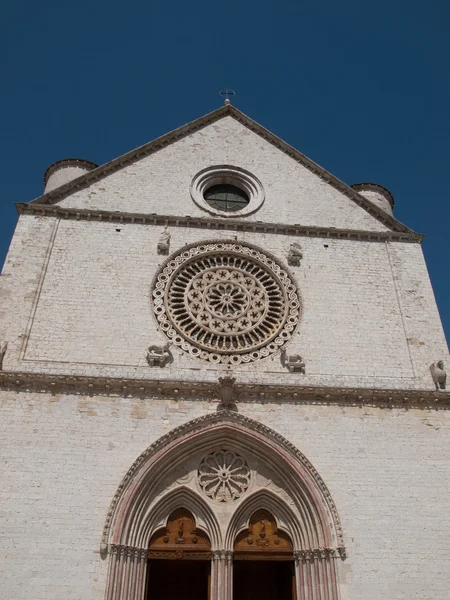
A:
[226,93]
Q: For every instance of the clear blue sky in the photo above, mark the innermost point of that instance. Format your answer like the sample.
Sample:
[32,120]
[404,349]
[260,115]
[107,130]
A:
[362,88]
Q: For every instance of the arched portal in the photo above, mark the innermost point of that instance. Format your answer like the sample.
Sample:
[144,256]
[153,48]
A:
[179,560]
[223,468]
[263,565]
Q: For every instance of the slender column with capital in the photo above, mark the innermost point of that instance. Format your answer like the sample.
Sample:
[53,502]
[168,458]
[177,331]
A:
[315,574]
[214,575]
[299,577]
[128,570]
[229,576]
[221,575]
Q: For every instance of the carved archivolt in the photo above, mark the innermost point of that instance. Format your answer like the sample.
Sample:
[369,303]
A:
[130,517]
[226,302]
[224,475]
[307,529]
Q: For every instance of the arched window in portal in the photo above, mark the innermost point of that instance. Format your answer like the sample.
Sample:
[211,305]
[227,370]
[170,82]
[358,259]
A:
[263,567]
[179,560]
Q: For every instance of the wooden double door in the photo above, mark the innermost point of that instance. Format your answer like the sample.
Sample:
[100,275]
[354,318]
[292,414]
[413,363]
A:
[190,580]
[179,565]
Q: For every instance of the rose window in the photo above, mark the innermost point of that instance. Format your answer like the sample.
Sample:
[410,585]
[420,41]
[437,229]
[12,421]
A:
[224,476]
[226,303]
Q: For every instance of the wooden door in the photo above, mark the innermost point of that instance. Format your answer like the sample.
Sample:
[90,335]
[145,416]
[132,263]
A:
[178,579]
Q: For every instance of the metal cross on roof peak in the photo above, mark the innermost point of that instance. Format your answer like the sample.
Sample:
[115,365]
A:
[226,94]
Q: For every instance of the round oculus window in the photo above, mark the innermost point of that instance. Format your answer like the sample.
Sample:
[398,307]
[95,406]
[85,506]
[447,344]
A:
[225,302]
[227,191]
[226,197]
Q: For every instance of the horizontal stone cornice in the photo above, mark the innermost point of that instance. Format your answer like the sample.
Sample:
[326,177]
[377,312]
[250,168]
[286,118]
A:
[22,381]
[215,224]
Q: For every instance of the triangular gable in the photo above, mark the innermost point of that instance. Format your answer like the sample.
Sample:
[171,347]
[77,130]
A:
[150,148]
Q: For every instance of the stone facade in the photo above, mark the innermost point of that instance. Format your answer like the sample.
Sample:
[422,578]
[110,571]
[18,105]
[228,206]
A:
[360,424]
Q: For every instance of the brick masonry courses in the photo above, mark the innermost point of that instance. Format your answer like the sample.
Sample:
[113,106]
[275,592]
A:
[75,300]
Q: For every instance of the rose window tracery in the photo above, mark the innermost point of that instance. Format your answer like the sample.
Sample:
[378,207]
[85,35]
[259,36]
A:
[226,303]
[224,476]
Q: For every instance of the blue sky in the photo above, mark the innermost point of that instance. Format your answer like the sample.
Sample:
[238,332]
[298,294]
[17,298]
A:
[361,88]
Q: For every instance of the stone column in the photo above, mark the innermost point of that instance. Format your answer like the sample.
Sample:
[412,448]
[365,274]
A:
[315,574]
[228,575]
[127,573]
[221,575]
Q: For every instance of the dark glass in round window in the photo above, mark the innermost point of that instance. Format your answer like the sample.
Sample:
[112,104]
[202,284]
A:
[226,197]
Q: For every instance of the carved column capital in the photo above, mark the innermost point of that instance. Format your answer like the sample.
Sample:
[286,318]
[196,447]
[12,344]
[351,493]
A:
[319,553]
[124,550]
[222,555]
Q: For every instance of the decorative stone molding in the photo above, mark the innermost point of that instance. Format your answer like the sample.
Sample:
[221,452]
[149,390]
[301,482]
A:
[139,553]
[216,224]
[132,519]
[223,475]
[247,392]
[227,390]
[225,302]
[209,426]
[320,553]
[439,375]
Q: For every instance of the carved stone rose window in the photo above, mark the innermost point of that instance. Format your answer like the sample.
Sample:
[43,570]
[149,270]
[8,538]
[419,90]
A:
[226,303]
[224,475]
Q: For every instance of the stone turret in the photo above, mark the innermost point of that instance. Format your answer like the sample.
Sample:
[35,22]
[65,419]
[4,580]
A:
[377,194]
[63,171]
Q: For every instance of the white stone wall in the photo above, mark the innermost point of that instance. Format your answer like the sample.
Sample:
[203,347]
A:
[64,456]
[76,299]
[160,183]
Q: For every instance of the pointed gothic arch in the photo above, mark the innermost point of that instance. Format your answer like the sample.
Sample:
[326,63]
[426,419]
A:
[285,518]
[142,503]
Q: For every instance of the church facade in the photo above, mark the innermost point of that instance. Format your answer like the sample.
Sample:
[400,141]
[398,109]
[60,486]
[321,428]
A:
[222,376]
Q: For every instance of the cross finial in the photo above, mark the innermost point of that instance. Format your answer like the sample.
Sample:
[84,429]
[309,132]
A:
[226,94]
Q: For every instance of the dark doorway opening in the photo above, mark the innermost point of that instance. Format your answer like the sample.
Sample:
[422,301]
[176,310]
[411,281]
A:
[263,580]
[176,579]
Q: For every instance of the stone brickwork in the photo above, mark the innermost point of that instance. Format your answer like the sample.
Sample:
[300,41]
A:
[161,183]
[369,314]
[352,390]
[388,472]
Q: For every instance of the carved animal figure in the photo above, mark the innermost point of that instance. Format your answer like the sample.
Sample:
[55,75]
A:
[295,255]
[439,375]
[159,356]
[293,363]
[164,242]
